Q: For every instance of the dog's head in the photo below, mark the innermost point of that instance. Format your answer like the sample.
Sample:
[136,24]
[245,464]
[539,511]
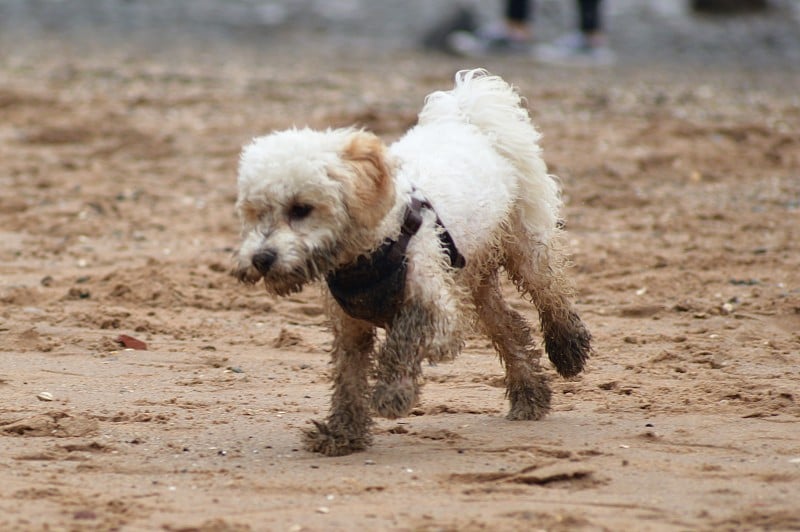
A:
[308,200]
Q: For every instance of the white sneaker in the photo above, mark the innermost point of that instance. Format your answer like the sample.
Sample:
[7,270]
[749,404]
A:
[487,41]
[575,49]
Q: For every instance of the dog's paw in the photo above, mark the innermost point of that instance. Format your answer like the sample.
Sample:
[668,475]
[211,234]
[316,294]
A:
[530,401]
[568,345]
[395,399]
[325,440]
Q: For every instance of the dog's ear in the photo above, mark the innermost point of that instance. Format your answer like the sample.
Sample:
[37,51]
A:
[370,176]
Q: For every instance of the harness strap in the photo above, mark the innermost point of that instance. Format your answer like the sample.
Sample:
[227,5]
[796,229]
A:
[413,221]
[457,260]
[372,288]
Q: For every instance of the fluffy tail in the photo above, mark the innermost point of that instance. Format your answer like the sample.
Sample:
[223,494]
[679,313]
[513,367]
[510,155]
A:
[492,106]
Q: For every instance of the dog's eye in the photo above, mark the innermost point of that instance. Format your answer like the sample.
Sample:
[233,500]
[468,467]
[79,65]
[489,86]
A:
[299,211]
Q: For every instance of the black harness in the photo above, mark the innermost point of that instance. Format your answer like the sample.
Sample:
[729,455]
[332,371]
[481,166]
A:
[373,287]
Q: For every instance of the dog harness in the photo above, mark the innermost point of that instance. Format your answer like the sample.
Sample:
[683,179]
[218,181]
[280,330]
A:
[373,287]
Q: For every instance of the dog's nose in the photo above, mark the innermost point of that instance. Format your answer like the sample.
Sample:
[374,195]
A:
[263,260]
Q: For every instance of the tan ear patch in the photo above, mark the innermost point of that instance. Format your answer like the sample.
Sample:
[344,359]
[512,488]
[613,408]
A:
[373,193]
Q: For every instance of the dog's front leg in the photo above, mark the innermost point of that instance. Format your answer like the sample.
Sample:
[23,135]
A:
[347,427]
[399,362]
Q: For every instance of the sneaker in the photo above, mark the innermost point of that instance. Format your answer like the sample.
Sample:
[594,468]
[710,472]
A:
[488,41]
[462,19]
[575,49]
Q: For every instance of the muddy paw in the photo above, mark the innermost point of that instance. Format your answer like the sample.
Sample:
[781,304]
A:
[325,440]
[568,345]
[395,399]
[529,402]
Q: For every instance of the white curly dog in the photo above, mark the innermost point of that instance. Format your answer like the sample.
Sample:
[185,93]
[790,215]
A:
[411,238]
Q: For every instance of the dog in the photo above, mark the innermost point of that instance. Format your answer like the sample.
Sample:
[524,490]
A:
[411,238]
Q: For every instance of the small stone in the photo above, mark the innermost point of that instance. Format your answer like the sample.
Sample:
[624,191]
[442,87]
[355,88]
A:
[84,514]
[131,343]
[78,293]
[323,510]
[45,396]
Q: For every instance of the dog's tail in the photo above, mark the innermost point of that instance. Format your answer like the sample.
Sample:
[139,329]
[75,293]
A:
[495,108]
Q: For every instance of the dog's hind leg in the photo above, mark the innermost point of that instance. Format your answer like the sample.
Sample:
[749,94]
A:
[347,427]
[538,272]
[526,385]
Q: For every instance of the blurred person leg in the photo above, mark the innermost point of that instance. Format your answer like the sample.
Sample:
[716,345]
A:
[588,46]
[462,19]
[510,35]
[716,7]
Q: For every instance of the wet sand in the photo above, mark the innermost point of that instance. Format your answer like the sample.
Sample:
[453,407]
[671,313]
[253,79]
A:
[682,199]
